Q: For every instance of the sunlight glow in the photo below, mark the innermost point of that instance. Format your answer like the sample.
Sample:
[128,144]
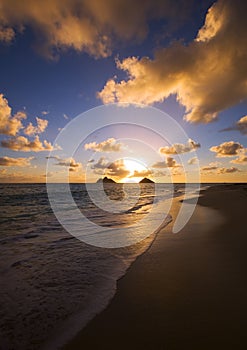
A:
[133,165]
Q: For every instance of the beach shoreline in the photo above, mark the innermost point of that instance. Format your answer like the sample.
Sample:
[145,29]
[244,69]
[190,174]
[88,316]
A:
[187,289]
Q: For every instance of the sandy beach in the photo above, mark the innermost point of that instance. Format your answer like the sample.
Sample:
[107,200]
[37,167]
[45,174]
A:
[188,291]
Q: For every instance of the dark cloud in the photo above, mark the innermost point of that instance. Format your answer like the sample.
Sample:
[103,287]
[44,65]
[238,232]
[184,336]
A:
[91,26]
[240,125]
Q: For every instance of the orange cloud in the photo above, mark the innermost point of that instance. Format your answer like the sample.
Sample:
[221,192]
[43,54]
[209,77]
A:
[9,125]
[21,143]
[227,149]
[207,76]
[21,162]
[41,126]
[240,160]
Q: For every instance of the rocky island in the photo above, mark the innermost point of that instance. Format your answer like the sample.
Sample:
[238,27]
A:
[106,180]
[145,180]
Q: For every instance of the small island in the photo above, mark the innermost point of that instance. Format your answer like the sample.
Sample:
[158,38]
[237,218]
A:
[146,181]
[106,180]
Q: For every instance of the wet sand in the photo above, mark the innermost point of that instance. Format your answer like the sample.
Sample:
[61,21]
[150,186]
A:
[189,290]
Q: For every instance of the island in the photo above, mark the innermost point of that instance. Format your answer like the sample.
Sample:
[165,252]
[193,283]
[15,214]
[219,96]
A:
[146,181]
[106,180]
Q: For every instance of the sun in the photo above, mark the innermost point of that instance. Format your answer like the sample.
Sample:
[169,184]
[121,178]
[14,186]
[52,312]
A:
[133,165]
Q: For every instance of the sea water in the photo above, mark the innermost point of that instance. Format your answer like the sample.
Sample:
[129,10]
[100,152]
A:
[52,284]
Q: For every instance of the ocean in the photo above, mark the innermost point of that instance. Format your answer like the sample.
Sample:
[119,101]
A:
[52,284]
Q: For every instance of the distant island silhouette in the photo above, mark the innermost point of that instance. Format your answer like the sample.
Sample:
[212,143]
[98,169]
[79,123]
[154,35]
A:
[146,181]
[106,180]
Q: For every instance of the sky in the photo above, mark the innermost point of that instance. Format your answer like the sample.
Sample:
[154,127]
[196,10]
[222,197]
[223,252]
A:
[185,60]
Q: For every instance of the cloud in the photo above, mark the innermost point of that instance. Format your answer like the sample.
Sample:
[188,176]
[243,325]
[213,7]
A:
[21,162]
[215,168]
[9,125]
[179,148]
[209,168]
[65,116]
[71,163]
[86,25]
[227,149]
[110,145]
[102,163]
[41,126]
[21,143]
[160,173]
[240,160]
[207,75]
[241,125]
[143,173]
[168,163]
[53,157]
[115,169]
[227,170]
[7,34]
[193,161]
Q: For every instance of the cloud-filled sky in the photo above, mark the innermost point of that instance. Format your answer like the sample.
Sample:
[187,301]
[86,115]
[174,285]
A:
[60,58]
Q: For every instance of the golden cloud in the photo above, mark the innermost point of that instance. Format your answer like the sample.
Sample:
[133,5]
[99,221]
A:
[227,149]
[207,76]
[41,126]
[21,162]
[21,143]
[85,25]
[240,160]
[179,148]
[109,145]
[9,125]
